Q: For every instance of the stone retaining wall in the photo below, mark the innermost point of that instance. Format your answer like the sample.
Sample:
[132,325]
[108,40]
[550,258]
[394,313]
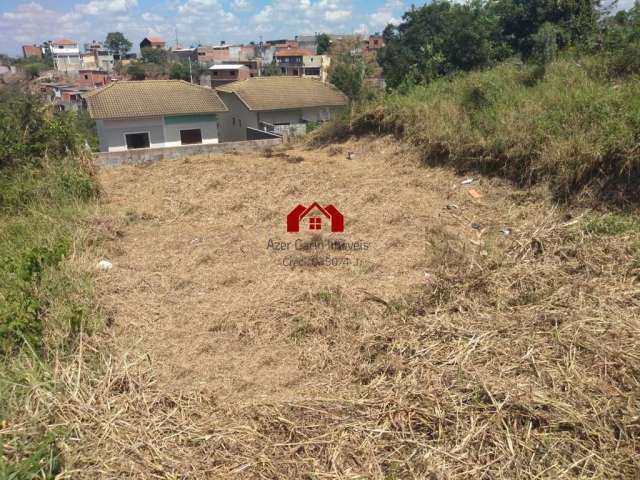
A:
[147,155]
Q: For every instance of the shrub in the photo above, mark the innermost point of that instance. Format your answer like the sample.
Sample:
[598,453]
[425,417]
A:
[568,129]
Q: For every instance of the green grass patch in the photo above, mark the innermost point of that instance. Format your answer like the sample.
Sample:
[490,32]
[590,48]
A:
[46,188]
[613,224]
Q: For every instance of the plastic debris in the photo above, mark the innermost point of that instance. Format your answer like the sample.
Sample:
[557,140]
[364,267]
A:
[506,232]
[474,193]
[476,226]
[350,155]
[104,265]
[468,181]
[452,206]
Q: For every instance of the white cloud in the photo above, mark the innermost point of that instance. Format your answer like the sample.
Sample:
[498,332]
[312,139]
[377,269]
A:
[241,5]
[388,13]
[101,7]
[336,15]
[264,16]
[304,16]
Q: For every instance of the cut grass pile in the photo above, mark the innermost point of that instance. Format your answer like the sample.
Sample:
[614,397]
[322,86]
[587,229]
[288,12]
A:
[570,128]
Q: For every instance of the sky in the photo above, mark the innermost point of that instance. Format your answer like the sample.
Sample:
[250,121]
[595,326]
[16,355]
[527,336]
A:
[25,22]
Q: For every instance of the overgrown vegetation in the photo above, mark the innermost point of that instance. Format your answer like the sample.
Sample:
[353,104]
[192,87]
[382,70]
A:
[527,90]
[45,182]
[569,129]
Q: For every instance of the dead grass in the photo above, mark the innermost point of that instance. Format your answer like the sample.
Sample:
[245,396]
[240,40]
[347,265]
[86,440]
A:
[456,351]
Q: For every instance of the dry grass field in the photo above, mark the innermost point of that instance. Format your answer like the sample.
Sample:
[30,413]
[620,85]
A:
[489,337]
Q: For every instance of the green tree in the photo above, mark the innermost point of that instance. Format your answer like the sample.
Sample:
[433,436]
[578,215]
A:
[32,70]
[348,68]
[324,43]
[179,72]
[621,42]
[117,43]
[520,20]
[441,38]
[136,72]
[154,55]
[271,70]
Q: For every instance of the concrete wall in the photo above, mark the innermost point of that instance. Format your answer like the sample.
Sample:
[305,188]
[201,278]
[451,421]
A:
[146,155]
[233,124]
[111,132]
[163,131]
[172,126]
[318,114]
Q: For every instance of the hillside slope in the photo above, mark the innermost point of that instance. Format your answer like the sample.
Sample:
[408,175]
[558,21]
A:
[566,126]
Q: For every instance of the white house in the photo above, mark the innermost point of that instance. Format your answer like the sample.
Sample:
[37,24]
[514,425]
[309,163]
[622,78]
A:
[277,104]
[154,114]
[66,55]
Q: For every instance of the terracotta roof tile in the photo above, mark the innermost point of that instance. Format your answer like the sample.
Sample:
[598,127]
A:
[293,52]
[147,98]
[282,93]
[64,41]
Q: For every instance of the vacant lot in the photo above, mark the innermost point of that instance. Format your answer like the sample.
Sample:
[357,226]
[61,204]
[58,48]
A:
[483,333]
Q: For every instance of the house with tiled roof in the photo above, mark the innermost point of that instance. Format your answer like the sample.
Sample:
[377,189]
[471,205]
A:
[152,42]
[154,114]
[65,54]
[32,51]
[282,105]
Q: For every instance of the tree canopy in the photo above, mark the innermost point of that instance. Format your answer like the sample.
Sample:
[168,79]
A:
[443,37]
[324,42]
[117,43]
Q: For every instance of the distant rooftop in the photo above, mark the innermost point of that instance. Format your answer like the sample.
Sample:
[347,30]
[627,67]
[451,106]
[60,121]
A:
[64,41]
[227,66]
[149,98]
[283,93]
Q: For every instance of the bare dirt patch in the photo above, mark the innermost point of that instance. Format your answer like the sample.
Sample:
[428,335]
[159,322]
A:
[487,334]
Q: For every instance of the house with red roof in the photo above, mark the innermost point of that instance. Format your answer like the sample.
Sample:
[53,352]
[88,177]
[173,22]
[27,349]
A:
[31,51]
[152,42]
[65,54]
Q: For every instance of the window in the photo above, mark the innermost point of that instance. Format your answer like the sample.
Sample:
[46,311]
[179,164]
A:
[239,122]
[191,137]
[233,121]
[137,140]
[315,223]
[86,77]
[232,73]
[215,73]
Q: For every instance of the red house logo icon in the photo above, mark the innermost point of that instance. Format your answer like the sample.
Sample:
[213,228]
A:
[314,215]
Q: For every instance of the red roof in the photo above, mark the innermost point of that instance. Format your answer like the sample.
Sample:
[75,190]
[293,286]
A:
[64,41]
[32,51]
[293,52]
[155,39]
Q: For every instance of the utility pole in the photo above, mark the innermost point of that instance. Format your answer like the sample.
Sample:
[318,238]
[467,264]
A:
[190,72]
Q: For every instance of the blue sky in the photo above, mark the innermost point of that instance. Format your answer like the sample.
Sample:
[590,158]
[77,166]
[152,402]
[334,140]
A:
[197,21]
